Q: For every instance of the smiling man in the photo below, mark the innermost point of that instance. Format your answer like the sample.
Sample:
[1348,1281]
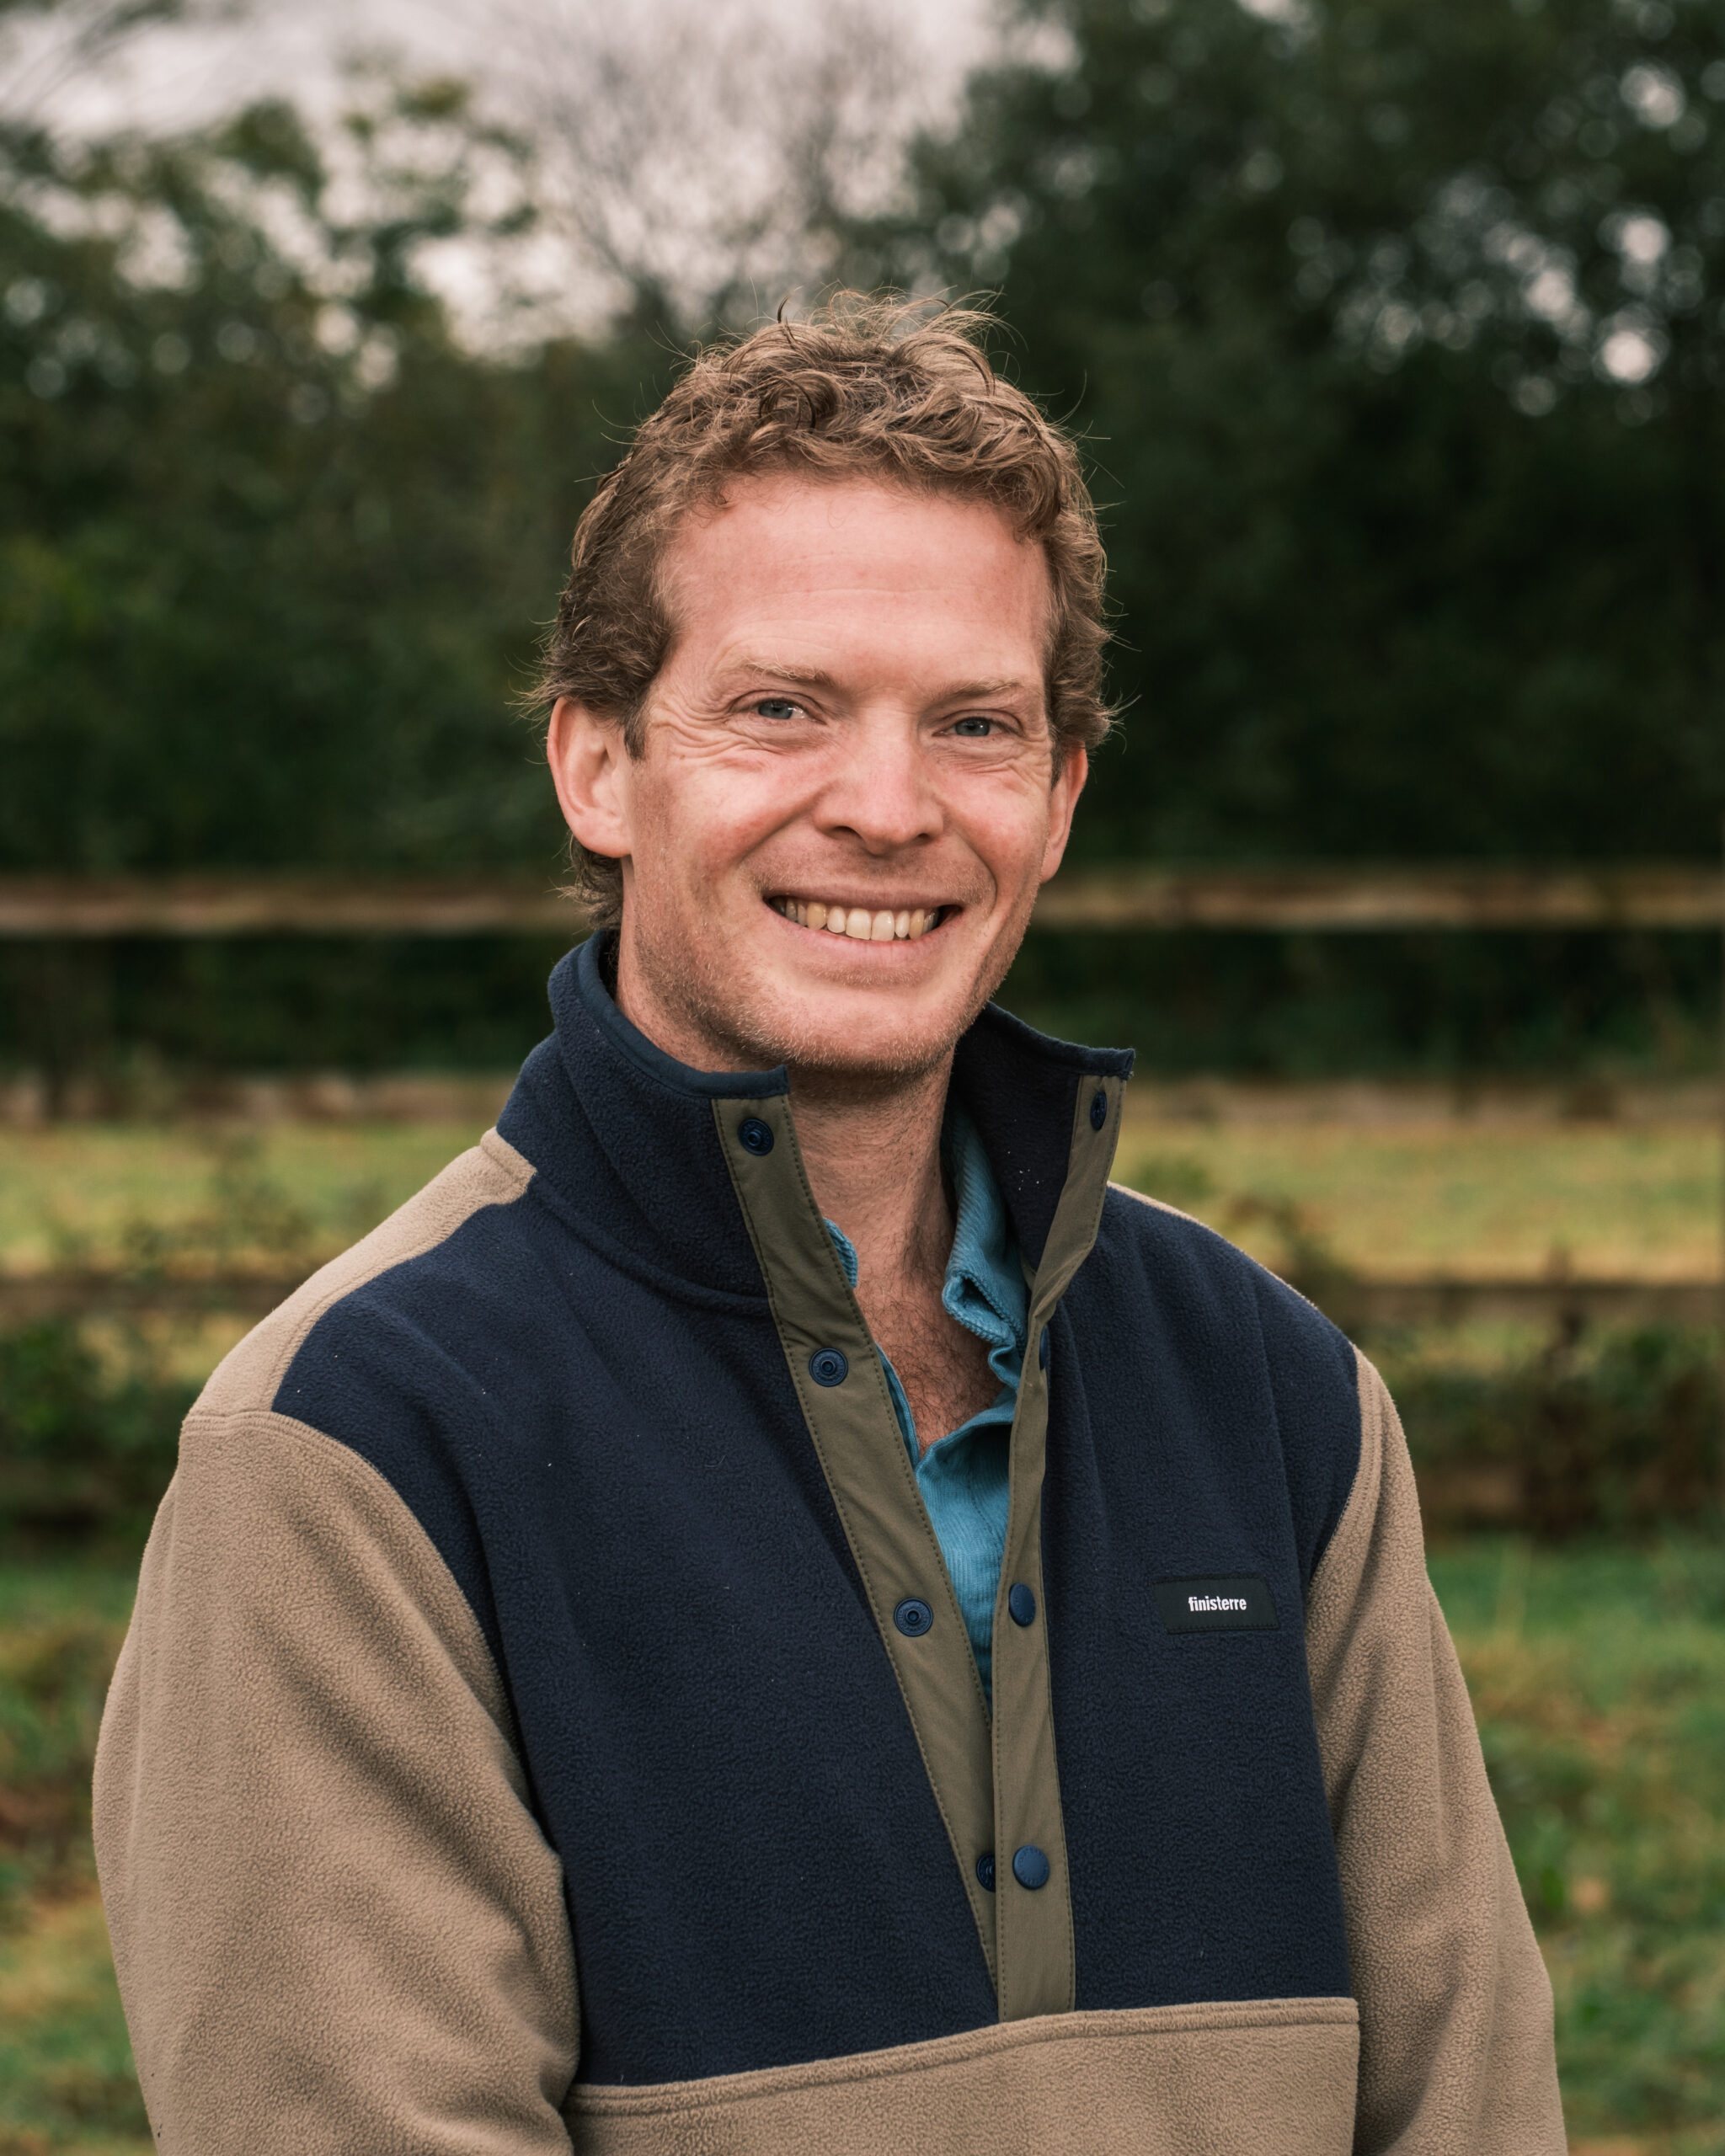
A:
[772,1608]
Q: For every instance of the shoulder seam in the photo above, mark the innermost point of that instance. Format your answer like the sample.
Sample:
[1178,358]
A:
[331,1283]
[1162,1205]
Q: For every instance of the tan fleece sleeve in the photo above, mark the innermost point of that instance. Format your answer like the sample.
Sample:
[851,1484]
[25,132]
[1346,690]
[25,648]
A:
[336,1923]
[1455,2044]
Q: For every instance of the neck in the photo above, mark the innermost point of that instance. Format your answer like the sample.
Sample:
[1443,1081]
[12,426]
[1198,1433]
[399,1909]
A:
[873,1153]
[870,1142]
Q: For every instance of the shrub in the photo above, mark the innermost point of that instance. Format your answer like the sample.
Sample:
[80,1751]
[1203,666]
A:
[85,1451]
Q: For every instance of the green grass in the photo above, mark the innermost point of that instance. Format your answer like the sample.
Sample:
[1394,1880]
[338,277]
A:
[1605,1200]
[66,2074]
[84,1188]
[1598,1674]
[1634,1200]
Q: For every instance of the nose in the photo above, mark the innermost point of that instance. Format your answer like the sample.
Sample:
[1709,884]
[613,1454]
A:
[881,791]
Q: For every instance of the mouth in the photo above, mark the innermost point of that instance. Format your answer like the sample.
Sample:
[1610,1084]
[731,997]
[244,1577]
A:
[863,924]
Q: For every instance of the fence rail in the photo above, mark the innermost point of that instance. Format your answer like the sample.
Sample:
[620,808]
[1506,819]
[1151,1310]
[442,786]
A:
[1353,1301]
[1337,897]
[1332,898]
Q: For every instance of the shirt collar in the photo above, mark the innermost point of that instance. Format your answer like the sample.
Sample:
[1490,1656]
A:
[984,1287]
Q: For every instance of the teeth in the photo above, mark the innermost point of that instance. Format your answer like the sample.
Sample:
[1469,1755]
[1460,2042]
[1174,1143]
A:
[858,922]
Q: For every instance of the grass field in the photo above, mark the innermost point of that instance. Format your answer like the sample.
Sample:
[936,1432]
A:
[1600,1200]
[1631,1201]
[81,1186]
[1598,1675]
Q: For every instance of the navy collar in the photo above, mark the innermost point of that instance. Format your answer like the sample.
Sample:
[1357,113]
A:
[624,1135]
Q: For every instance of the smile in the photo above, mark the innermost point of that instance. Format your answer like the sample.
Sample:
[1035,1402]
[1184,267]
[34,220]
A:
[903,925]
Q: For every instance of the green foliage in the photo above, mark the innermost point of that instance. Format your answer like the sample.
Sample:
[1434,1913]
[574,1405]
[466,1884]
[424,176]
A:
[1335,296]
[88,1439]
[66,2071]
[1396,335]
[272,546]
[84,1452]
[1614,1432]
[56,1652]
[1303,1006]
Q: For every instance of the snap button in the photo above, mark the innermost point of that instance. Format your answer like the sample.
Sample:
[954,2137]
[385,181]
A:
[826,1366]
[1098,1110]
[757,1135]
[1030,1867]
[1021,1605]
[985,1870]
[913,1617]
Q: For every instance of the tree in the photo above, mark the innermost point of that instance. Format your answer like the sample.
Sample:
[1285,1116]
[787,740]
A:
[1396,333]
[271,544]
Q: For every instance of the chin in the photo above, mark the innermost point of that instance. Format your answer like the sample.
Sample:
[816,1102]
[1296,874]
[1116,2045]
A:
[838,1037]
[735,1008]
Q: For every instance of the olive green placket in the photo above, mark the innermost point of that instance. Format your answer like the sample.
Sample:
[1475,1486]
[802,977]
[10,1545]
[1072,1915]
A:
[998,1787]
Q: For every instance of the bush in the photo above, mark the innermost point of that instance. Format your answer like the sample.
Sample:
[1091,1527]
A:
[1610,1432]
[85,1451]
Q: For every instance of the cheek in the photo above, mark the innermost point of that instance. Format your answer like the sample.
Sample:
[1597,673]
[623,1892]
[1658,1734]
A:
[692,825]
[1008,830]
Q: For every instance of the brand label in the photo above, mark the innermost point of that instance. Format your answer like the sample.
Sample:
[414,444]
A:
[1215,1605]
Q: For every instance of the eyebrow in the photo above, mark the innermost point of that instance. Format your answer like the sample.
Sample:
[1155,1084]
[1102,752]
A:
[807,677]
[815,677]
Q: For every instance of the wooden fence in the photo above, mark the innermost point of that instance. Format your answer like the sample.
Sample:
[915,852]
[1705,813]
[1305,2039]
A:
[1330,898]
[1327,898]
[26,1298]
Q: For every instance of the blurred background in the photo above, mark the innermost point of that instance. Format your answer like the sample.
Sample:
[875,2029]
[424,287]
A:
[1395,334]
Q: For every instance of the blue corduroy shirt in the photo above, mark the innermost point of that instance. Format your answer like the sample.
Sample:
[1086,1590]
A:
[963,1476]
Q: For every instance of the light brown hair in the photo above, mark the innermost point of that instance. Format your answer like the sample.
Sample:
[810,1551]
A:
[867,386]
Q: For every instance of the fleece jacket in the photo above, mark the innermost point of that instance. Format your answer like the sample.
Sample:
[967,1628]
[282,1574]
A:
[547,1721]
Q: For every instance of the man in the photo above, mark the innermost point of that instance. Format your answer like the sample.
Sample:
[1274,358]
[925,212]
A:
[771,1608]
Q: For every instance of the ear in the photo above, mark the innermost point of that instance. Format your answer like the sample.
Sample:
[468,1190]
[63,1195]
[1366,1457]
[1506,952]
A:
[1069,784]
[589,760]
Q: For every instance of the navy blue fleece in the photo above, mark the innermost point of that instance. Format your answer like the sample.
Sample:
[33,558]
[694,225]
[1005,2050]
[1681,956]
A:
[582,1397]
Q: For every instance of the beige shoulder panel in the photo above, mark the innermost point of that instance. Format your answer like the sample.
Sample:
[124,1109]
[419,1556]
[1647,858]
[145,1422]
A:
[490,1173]
[336,1924]
[1456,2055]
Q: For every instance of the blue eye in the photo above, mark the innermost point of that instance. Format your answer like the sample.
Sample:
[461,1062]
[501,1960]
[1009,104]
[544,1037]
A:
[974,729]
[778,708]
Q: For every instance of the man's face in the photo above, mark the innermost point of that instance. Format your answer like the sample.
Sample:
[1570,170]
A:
[850,729]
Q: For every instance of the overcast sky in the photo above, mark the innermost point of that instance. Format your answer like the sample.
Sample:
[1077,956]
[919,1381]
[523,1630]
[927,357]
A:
[677,137]
[177,76]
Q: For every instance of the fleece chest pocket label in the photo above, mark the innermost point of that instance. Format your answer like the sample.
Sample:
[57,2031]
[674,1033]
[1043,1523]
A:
[1239,1604]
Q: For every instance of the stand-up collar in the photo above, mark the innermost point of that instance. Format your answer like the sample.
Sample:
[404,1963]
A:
[624,1134]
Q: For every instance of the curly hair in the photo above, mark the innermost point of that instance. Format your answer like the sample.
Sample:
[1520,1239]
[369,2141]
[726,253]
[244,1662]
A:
[867,386]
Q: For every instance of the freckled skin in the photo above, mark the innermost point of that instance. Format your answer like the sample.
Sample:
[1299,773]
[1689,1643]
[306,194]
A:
[851,710]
